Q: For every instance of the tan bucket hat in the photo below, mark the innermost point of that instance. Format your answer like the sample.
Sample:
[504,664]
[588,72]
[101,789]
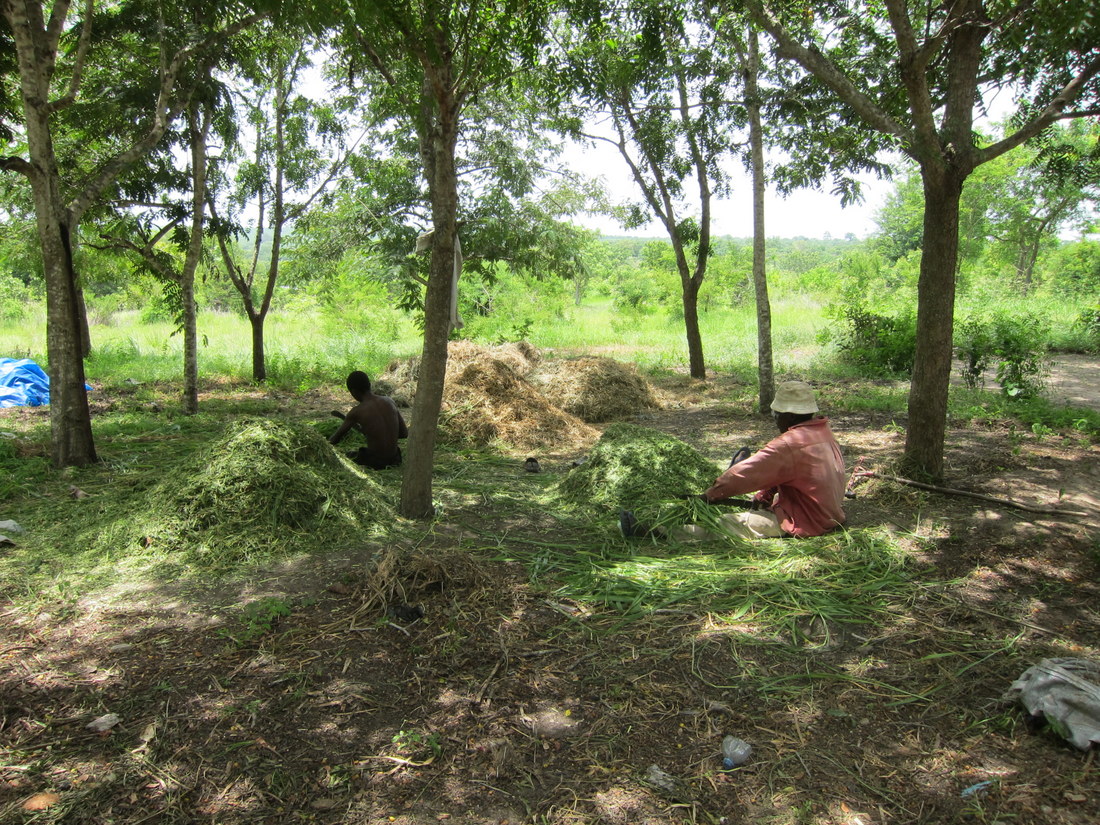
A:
[794,397]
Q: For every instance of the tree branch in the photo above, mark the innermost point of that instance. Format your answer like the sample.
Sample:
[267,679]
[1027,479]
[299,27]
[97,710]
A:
[913,61]
[1052,112]
[167,108]
[953,492]
[14,163]
[78,65]
[817,64]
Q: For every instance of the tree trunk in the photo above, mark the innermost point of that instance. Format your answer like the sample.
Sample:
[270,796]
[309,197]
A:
[198,132]
[70,416]
[71,444]
[696,364]
[765,365]
[190,399]
[928,389]
[82,319]
[439,125]
[259,370]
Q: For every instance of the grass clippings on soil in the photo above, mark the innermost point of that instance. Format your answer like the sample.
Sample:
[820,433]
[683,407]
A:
[265,489]
[845,578]
[262,491]
[866,675]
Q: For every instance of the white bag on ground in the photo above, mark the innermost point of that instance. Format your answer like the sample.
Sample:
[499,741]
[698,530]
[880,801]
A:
[1067,693]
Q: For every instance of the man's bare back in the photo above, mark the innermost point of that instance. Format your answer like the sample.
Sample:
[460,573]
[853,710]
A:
[380,422]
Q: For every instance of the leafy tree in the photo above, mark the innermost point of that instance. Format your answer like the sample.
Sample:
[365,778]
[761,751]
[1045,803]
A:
[435,57]
[1075,268]
[296,151]
[512,200]
[916,74]
[659,74]
[54,50]
[1012,207]
[167,240]
[1034,200]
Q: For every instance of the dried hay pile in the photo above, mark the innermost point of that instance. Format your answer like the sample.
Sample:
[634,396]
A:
[399,379]
[595,389]
[488,401]
[632,466]
[264,489]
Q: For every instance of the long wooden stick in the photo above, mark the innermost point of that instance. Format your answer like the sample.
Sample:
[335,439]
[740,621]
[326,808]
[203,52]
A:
[953,492]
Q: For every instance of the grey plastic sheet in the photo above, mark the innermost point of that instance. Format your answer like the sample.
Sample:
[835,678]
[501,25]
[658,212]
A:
[1067,693]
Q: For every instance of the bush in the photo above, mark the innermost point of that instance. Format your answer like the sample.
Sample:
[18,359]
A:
[877,345]
[1089,323]
[1017,344]
[14,297]
[974,347]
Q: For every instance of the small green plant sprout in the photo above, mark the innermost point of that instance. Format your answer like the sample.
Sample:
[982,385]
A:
[260,618]
[894,427]
[414,745]
[1041,430]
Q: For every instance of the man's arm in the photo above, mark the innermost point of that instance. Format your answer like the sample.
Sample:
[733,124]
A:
[766,469]
[345,427]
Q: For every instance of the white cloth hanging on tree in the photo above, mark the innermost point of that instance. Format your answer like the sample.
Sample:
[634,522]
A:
[424,242]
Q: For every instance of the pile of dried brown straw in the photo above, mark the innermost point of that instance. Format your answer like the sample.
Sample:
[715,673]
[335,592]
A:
[595,389]
[507,395]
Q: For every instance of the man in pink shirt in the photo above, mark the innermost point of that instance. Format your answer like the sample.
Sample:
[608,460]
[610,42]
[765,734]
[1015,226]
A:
[799,475]
[798,478]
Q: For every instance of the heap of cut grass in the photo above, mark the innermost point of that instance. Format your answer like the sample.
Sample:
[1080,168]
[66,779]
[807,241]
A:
[595,389]
[264,489]
[636,467]
[487,402]
[400,378]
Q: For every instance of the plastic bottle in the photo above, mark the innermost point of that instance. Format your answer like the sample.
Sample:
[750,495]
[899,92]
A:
[735,752]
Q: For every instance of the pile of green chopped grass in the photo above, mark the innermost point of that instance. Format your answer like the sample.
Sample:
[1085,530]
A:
[636,468]
[264,489]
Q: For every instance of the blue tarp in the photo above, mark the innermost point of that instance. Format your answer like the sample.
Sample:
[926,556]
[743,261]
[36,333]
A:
[23,384]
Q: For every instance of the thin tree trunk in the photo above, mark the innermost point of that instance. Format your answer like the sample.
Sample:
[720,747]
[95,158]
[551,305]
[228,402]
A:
[928,389]
[439,122]
[259,368]
[198,132]
[764,359]
[696,364]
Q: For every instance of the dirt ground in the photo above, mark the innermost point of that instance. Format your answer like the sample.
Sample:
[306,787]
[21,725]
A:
[507,703]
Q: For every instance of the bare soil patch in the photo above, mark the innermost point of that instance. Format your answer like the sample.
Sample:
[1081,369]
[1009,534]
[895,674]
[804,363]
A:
[506,703]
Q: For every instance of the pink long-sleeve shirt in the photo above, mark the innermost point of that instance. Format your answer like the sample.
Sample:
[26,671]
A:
[799,476]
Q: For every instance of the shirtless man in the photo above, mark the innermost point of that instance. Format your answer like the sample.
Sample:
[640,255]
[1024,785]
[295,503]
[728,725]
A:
[378,419]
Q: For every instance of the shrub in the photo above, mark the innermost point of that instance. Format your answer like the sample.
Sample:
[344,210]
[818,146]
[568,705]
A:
[877,345]
[1089,323]
[1021,348]
[974,347]
[14,297]
[1017,344]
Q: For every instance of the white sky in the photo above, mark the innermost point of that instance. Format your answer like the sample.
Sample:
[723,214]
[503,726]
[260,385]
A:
[805,213]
